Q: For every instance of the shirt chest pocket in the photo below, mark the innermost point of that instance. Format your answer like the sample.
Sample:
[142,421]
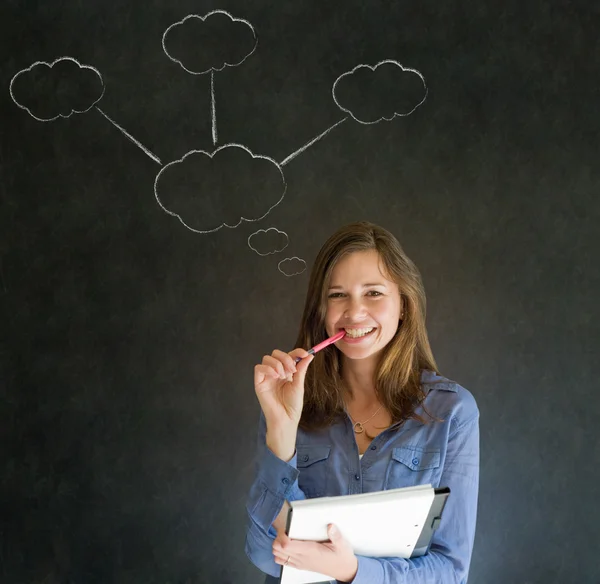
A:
[313,464]
[412,465]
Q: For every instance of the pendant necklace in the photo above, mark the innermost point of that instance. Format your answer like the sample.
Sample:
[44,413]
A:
[358,426]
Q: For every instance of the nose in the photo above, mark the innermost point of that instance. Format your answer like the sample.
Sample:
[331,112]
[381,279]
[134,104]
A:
[354,309]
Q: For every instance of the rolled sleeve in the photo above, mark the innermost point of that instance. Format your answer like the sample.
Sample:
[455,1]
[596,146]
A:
[275,482]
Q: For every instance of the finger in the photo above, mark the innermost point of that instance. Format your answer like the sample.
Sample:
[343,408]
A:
[261,372]
[298,354]
[290,563]
[281,555]
[302,367]
[281,540]
[286,360]
[266,371]
[276,365]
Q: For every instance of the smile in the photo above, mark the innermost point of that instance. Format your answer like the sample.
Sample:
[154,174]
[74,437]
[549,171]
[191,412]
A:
[356,333]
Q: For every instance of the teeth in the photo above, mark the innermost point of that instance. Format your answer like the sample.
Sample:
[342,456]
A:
[361,332]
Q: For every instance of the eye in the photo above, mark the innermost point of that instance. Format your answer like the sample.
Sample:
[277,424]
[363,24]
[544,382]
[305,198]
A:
[335,295]
[375,293]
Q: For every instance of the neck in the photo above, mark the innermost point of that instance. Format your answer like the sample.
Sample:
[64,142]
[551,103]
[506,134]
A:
[359,378]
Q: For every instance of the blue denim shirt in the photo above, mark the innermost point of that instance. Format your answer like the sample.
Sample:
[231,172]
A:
[327,463]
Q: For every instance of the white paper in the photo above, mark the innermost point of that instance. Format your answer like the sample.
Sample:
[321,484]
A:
[380,524]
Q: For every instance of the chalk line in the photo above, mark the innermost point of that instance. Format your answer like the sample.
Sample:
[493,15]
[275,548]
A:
[128,135]
[213,113]
[311,142]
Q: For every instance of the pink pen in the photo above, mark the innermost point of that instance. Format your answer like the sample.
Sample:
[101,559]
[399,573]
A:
[324,344]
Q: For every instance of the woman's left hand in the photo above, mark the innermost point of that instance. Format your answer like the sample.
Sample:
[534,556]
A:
[334,558]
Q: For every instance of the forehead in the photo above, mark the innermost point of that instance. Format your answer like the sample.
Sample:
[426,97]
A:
[359,267]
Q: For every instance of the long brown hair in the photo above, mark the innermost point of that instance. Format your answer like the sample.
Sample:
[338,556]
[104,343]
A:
[398,375]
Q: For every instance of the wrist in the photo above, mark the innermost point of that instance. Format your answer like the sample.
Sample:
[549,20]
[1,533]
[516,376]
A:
[350,574]
[281,442]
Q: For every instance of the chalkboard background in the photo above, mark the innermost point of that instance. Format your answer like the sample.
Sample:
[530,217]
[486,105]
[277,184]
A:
[128,414]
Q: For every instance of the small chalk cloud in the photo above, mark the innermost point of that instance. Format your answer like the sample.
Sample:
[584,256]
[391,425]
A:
[61,88]
[371,94]
[291,266]
[210,190]
[268,241]
[209,43]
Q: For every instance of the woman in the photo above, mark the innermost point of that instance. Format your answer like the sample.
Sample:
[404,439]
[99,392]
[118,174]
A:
[370,413]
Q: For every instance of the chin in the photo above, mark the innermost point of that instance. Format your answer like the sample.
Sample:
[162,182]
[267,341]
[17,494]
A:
[356,353]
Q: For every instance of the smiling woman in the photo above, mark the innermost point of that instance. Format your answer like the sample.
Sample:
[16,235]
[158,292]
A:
[370,413]
[362,279]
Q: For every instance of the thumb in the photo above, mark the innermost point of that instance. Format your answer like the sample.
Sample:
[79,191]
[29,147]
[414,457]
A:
[333,532]
[301,368]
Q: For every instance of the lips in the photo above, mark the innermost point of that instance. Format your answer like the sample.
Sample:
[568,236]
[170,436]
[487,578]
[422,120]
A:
[357,339]
[356,328]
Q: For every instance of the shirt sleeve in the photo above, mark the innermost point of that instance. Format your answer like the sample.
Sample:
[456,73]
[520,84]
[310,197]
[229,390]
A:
[275,481]
[449,555]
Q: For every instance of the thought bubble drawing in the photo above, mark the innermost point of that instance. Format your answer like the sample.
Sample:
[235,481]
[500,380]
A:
[209,43]
[371,94]
[47,91]
[268,241]
[382,92]
[210,190]
[291,266]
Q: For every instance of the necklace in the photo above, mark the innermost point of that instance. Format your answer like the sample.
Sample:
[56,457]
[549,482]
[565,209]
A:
[358,426]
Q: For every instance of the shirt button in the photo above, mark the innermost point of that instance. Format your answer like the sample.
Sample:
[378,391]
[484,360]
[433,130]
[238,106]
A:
[285,481]
[415,461]
[357,477]
[373,447]
[305,457]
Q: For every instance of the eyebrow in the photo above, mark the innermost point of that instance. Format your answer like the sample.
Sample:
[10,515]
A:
[364,286]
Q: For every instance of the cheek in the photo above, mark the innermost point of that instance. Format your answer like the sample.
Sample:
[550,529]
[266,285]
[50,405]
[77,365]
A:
[331,315]
[388,316]
[332,318]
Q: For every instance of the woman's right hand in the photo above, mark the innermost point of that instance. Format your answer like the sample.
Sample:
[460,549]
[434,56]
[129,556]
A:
[279,386]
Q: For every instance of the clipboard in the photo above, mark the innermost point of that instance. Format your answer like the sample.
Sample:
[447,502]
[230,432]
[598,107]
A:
[393,523]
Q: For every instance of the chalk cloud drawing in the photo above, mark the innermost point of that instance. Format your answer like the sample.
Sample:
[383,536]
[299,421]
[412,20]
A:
[209,43]
[47,91]
[390,88]
[268,241]
[291,266]
[197,188]
[371,94]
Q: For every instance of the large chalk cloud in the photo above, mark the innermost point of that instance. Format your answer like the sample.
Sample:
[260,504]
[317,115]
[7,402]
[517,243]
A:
[210,190]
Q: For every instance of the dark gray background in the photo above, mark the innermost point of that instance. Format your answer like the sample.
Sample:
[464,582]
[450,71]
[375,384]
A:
[128,342]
